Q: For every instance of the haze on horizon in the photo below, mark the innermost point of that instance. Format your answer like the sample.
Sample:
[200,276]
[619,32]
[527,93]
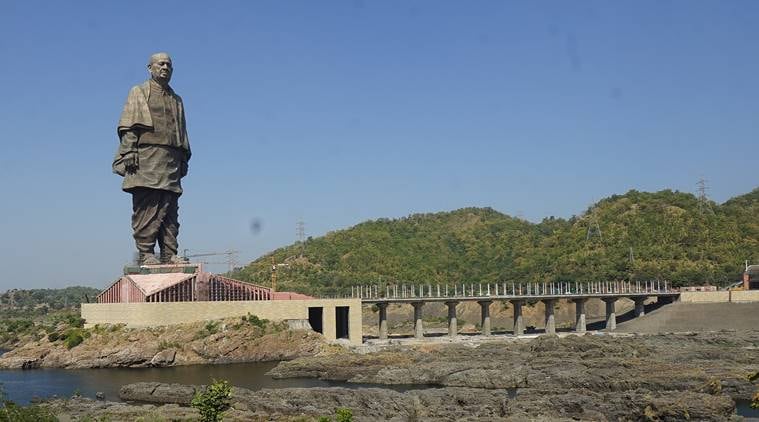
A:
[335,114]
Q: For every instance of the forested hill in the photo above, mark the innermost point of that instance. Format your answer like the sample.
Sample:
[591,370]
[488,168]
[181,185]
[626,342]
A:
[639,235]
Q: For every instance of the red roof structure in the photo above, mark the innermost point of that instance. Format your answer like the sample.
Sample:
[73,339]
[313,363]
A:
[184,283]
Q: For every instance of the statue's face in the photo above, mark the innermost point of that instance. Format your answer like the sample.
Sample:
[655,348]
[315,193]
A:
[160,68]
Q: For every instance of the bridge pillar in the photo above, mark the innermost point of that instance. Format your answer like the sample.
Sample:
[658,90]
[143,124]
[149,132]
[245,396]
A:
[418,328]
[518,321]
[550,317]
[580,323]
[485,320]
[611,315]
[452,323]
[382,320]
[640,308]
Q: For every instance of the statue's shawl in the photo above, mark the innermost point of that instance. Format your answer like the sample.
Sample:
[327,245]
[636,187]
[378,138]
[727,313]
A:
[136,116]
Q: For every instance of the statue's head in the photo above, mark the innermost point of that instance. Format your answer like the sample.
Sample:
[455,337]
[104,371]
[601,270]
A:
[160,67]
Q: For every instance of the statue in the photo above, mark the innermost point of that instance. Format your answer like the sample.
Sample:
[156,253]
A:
[152,157]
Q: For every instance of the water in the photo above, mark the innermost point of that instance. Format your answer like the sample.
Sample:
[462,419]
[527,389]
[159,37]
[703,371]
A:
[21,386]
[743,408]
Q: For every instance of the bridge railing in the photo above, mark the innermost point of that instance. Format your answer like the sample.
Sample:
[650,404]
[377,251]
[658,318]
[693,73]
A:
[470,290]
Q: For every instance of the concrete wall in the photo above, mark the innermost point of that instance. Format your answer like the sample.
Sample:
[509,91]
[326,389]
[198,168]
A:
[745,296]
[158,314]
[720,296]
[705,297]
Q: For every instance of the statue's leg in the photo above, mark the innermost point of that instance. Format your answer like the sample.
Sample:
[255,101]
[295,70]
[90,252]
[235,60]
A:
[145,222]
[167,236]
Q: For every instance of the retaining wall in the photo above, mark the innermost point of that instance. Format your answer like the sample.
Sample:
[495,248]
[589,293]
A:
[720,296]
[159,314]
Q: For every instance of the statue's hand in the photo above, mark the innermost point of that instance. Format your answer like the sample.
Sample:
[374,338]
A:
[130,162]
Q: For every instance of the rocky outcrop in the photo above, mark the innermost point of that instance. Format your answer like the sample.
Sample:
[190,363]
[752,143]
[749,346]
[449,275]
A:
[455,403]
[715,364]
[669,377]
[187,344]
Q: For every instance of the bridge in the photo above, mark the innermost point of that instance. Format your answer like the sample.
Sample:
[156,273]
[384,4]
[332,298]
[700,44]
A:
[518,294]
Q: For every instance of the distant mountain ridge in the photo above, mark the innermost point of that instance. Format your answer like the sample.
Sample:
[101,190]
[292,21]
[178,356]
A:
[665,235]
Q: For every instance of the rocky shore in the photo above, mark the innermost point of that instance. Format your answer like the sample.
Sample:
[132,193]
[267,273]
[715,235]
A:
[225,341]
[672,377]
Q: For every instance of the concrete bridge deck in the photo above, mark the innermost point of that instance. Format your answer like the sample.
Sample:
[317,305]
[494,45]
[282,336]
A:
[518,294]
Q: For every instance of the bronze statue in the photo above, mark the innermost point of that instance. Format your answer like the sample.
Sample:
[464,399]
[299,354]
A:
[152,157]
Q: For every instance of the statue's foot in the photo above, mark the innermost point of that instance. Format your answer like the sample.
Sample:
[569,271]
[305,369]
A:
[149,259]
[173,259]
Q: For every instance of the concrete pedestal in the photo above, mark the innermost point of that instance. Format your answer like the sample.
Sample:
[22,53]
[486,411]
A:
[452,323]
[518,320]
[382,320]
[611,314]
[640,308]
[485,319]
[550,304]
[418,328]
[580,323]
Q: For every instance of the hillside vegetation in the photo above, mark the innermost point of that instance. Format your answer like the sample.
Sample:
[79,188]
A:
[664,235]
[33,314]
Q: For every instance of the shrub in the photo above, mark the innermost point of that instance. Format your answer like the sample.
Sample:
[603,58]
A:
[73,338]
[343,414]
[213,401]
[212,327]
[11,412]
[163,345]
[255,320]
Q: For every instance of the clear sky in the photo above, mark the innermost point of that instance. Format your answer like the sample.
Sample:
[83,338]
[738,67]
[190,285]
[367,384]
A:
[342,111]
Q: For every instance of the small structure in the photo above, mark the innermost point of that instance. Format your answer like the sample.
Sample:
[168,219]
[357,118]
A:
[751,277]
[182,283]
[160,295]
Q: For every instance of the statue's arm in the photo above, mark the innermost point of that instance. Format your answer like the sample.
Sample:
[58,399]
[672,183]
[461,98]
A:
[127,158]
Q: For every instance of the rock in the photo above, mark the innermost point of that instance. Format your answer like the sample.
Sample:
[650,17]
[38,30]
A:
[154,392]
[163,358]
[298,324]
[100,395]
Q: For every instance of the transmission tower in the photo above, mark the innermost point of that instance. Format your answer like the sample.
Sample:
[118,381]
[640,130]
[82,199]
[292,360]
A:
[703,200]
[594,229]
[300,232]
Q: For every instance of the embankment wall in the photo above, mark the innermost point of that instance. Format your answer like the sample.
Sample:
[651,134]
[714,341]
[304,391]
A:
[172,313]
[722,296]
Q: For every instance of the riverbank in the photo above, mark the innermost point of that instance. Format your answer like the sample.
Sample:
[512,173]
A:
[114,346]
[696,376]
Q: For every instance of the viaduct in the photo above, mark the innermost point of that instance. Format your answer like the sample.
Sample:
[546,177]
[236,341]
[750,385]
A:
[518,295]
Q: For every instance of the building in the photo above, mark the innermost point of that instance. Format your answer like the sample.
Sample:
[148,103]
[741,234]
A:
[181,283]
[159,295]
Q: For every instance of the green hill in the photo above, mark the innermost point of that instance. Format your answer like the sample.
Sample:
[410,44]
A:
[639,235]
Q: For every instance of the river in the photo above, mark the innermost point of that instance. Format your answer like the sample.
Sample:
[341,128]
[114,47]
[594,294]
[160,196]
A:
[22,386]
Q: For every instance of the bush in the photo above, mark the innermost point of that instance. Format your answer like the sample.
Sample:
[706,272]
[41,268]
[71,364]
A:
[163,345]
[74,337]
[213,401]
[343,414]
[255,320]
[54,336]
[11,412]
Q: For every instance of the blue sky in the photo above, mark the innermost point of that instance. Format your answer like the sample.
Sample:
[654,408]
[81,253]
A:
[339,112]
